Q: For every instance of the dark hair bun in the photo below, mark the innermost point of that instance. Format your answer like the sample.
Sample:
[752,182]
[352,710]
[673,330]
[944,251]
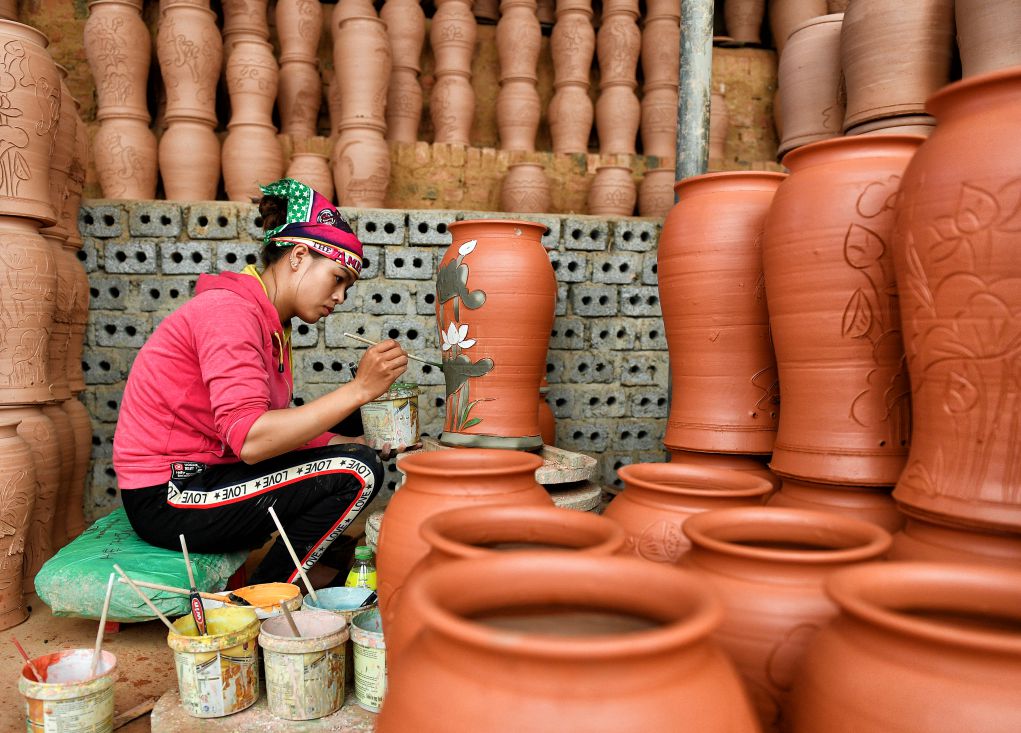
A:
[273,210]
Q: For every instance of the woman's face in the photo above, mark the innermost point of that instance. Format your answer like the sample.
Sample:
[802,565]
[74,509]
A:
[321,285]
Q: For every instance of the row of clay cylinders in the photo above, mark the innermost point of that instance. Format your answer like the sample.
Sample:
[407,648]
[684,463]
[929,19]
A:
[45,431]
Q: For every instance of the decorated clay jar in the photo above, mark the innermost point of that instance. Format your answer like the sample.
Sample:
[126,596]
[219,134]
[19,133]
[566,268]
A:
[18,490]
[361,165]
[118,48]
[656,192]
[833,312]
[251,156]
[405,25]
[41,437]
[518,39]
[81,426]
[613,191]
[658,498]
[868,503]
[66,446]
[191,55]
[557,631]
[124,153]
[713,298]
[495,297]
[525,189]
[572,43]
[768,566]
[930,647]
[959,281]
[312,169]
[452,101]
[440,480]
[189,154]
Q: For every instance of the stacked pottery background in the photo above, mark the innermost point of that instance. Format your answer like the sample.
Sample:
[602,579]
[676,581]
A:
[405,24]
[452,102]
[661,39]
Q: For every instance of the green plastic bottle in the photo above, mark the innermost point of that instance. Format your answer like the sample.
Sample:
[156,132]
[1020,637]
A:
[363,572]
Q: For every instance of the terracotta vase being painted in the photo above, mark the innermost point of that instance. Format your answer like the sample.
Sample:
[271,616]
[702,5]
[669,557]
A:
[41,437]
[518,38]
[786,15]
[613,191]
[714,309]
[869,504]
[559,630]
[312,169]
[656,192]
[437,481]
[361,166]
[618,46]
[525,189]
[572,43]
[744,19]
[810,76]
[405,25]
[768,566]
[452,101]
[960,288]
[932,647]
[299,25]
[495,297]
[882,80]
[834,314]
[988,35]
[488,530]
[658,498]
[18,487]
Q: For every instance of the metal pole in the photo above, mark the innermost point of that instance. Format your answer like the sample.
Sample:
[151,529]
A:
[694,81]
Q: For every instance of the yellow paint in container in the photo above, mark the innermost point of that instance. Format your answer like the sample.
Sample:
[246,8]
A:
[218,673]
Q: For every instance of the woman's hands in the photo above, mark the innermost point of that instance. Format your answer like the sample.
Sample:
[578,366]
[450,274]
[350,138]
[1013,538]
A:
[379,368]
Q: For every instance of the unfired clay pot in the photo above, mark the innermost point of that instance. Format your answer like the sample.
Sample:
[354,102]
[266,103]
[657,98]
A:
[190,54]
[81,425]
[558,630]
[18,484]
[988,35]
[744,19]
[361,165]
[438,481]
[613,191]
[661,41]
[719,125]
[768,566]
[405,25]
[959,281]
[810,76]
[659,120]
[39,434]
[729,461]
[900,125]
[251,156]
[709,267]
[66,446]
[928,541]
[243,19]
[870,504]
[656,192]
[312,169]
[618,46]
[932,647]
[833,312]
[299,25]
[56,354]
[486,530]
[518,38]
[525,189]
[786,15]
[452,102]
[125,158]
[189,155]
[118,49]
[362,59]
[658,498]
[495,297]
[882,80]
[572,44]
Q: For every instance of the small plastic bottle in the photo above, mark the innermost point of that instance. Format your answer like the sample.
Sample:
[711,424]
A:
[363,572]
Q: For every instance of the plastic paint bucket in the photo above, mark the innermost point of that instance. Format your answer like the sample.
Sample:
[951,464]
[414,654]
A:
[343,602]
[217,674]
[265,598]
[304,676]
[392,418]
[370,660]
[68,700]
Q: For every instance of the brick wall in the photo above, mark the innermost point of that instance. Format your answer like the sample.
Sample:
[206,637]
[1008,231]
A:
[607,362]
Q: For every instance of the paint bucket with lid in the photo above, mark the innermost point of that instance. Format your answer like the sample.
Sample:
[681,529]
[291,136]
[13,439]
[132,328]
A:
[217,674]
[69,699]
[304,675]
[370,660]
[392,418]
[347,603]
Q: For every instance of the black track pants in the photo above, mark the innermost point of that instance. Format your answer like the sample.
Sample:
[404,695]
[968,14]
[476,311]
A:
[316,493]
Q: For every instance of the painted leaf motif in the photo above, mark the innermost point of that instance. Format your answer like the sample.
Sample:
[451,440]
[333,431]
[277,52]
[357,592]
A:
[976,209]
[862,247]
[471,423]
[857,316]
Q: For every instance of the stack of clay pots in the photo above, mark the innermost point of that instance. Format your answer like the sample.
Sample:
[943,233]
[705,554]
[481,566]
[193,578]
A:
[452,101]
[570,111]
[661,38]
[45,434]
[405,24]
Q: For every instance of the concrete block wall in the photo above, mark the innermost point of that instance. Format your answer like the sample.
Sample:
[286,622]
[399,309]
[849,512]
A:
[607,363]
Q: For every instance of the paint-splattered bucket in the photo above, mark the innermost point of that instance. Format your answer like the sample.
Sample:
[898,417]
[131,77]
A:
[217,674]
[304,676]
[392,418]
[370,660]
[345,602]
[69,700]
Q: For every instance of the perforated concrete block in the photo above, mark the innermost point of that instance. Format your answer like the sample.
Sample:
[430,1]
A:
[651,334]
[588,436]
[178,258]
[359,325]
[235,256]
[88,255]
[635,434]
[106,403]
[165,294]
[612,461]
[134,257]
[600,401]
[318,366]
[105,366]
[154,219]
[372,261]
[568,333]
[570,267]
[648,402]
[306,392]
[250,221]
[561,399]
[430,227]
[635,235]
[408,263]
[425,301]
[639,300]
[213,220]
[643,368]
[304,335]
[102,440]
[555,370]
[586,367]
[415,335]
[121,331]
[388,298]
[594,300]
[551,239]
[615,334]
[589,233]
[104,221]
[650,269]
[617,268]
[382,226]
[107,293]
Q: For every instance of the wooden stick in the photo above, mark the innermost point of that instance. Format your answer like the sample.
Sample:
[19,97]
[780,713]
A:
[290,619]
[198,611]
[136,712]
[102,626]
[410,356]
[294,555]
[144,597]
[180,591]
[24,654]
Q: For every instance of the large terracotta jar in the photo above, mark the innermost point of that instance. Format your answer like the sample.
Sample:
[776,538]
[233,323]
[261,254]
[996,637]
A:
[299,25]
[744,19]
[18,487]
[452,101]
[81,425]
[518,38]
[437,481]
[833,312]
[709,267]
[251,156]
[870,504]
[525,189]
[125,157]
[405,25]
[786,15]
[487,530]
[613,191]
[495,297]
[618,46]
[41,437]
[361,165]
[312,169]
[732,462]
[958,277]
[656,192]
[768,566]
[570,112]
[931,647]
[67,448]
[658,498]
[60,333]
[558,630]
[928,541]
[813,101]
[987,35]
[882,80]
[661,42]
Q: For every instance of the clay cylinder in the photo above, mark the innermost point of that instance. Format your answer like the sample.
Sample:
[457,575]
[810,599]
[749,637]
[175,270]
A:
[361,53]
[190,160]
[613,191]
[299,25]
[18,487]
[452,107]
[191,55]
[403,105]
[656,192]
[300,97]
[251,156]
[312,169]
[573,42]
[834,314]
[124,151]
[988,35]
[570,114]
[361,166]
[659,120]
[661,42]
[452,101]
[41,437]
[525,189]
[452,36]
[495,297]
[744,19]
[786,15]
[518,37]
[252,79]
[714,309]
[118,49]
[869,504]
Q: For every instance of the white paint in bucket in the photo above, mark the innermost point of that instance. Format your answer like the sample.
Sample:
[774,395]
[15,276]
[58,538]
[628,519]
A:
[217,674]
[304,676]
[392,418]
[370,660]
[69,700]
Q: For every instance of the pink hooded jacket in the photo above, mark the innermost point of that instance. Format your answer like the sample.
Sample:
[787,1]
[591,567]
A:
[206,374]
